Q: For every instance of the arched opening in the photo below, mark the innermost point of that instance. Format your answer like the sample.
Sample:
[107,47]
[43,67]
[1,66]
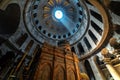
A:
[89,70]
[9,19]
[93,36]
[96,27]
[44,73]
[96,15]
[60,74]
[87,43]
[71,75]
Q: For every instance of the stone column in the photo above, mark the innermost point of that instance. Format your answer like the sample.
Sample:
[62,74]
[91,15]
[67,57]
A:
[108,64]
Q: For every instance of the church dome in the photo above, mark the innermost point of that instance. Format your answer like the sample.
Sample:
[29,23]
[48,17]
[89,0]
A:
[84,24]
[46,27]
[79,22]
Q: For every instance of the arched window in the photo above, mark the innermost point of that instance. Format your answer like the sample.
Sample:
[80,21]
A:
[93,36]
[96,15]
[87,43]
[96,27]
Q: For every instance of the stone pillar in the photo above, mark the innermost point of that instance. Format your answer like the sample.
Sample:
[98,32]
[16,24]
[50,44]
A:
[108,64]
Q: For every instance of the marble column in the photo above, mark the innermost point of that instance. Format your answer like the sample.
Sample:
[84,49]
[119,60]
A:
[107,61]
[111,69]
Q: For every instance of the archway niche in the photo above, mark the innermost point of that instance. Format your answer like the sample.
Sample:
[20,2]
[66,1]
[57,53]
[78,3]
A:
[9,21]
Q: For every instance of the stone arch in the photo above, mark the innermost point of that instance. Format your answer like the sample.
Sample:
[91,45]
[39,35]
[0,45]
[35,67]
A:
[71,75]
[44,72]
[59,73]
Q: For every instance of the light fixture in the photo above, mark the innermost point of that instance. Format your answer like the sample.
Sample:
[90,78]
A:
[58,14]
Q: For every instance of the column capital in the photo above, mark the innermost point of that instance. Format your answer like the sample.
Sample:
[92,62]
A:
[107,60]
[113,42]
[105,53]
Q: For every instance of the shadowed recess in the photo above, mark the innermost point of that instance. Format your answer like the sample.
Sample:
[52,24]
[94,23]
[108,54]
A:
[9,19]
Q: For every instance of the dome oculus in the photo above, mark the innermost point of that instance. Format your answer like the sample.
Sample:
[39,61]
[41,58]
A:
[58,14]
